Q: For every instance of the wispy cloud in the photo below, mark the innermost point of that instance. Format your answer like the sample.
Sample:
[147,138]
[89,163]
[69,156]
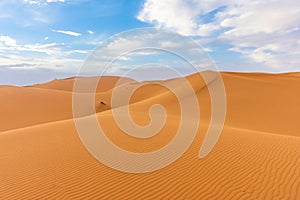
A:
[32,2]
[41,2]
[90,32]
[9,45]
[52,1]
[71,33]
[37,56]
[79,51]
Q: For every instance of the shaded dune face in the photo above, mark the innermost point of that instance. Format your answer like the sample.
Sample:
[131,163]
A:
[257,156]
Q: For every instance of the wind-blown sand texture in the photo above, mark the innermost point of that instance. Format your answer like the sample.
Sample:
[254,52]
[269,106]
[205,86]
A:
[256,157]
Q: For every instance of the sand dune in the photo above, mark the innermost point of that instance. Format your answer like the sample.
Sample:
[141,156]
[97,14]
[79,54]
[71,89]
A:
[267,102]
[257,156]
[26,106]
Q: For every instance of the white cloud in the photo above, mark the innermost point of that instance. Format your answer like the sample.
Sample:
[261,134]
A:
[71,33]
[41,2]
[49,49]
[90,32]
[264,31]
[261,17]
[151,46]
[121,44]
[80,51]
[32,2]
[9,45]
[34,56]
[143,40]
[7,41]
[16,61]
[169,13]
[52,1]
[53,63]
[179,15]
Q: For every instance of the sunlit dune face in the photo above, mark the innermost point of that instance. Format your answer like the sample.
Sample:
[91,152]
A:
[141,101]
[139,113]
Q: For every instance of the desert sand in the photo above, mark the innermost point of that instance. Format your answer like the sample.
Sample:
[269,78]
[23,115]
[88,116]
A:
[256,157]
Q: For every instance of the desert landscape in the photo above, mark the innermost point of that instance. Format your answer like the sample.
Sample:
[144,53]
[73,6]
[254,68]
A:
[149,99]
[256,157]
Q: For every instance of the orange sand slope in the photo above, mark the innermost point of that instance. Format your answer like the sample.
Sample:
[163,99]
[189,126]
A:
[256,157]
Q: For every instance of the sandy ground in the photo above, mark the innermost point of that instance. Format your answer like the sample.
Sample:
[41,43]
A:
[256,157]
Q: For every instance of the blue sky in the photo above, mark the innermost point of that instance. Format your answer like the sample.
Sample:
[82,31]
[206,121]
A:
[45,39]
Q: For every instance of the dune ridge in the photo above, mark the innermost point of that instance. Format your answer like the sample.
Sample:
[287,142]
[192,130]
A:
[257,156]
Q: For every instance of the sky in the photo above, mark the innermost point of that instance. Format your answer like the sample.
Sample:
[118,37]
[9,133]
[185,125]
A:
[41,40]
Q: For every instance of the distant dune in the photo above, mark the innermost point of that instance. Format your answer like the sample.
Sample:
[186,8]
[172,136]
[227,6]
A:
[257,156]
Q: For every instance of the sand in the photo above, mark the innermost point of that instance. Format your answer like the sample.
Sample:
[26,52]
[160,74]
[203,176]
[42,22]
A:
[256,157]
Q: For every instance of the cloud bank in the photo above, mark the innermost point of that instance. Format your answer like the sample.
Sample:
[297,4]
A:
[265,32]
